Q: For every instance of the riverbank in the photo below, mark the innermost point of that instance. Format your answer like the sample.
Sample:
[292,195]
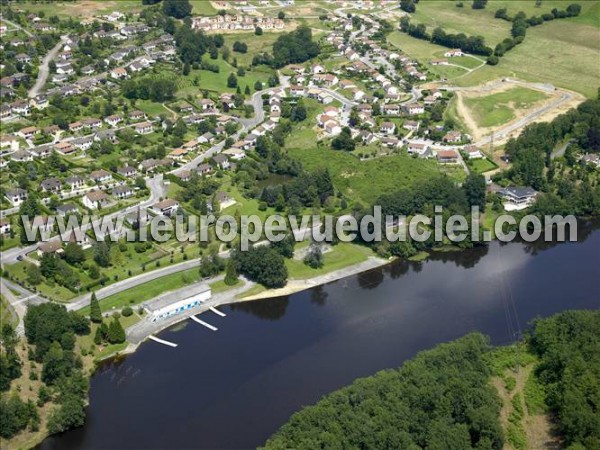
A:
[295,286]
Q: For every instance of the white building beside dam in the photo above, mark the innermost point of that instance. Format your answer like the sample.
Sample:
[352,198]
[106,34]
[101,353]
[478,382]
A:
[172,304]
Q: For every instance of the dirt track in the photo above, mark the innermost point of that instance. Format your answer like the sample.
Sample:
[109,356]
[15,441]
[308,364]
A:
[559,102]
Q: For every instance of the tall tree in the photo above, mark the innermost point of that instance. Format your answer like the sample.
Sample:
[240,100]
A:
[95,311]
[177,8]
[474,187]
[231,277]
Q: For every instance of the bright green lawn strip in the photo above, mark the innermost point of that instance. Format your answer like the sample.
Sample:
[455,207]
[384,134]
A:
[342,255]
[147,290]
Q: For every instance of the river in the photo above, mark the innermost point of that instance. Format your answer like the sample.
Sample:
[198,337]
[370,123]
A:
[233,388]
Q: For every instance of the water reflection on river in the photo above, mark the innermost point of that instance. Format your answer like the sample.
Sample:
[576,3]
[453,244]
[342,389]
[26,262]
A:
[234,387]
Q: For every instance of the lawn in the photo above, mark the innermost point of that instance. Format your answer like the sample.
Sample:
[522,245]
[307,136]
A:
[217,82]
[256,44]
[202,8]
[366,180]
[147,291]
[151,108]
[304,134]
[500,108]
[481,165]
[342,255]
[220,286]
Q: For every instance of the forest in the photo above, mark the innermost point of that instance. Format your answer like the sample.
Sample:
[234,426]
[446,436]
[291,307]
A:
[442,398]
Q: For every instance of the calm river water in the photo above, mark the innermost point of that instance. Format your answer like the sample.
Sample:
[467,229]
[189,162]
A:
[233,388]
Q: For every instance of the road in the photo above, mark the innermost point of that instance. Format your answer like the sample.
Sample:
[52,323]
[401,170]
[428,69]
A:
[19,301]
[44,69]
[157,190]
[27,32]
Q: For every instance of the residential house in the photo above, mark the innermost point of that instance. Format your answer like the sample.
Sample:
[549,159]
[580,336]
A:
[137,115]
[21,156]
[473,152]
[206,138]
[143,127]
[16,196]
[332,127]
[447,156]
[75,182]
[91,122]
[452,136]
[5,226]
[118,73]
[50,247]
[167,207]
[518,197]
[391,142]
[100,176]
[114,120]
[28,132]
[454,52]
[204,169]
[391,110]
[206,104]
[122,192]
[95,200]
[178,154]
[127,171]
[149,165]
[65,148]
[234,154]
[387,128]
[51,185]
[411,125]
[66,209]
[83,143]
[414,108]
[417,147]
[221,161]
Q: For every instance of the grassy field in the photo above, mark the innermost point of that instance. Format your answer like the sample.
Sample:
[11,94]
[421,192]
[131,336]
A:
[342,255]
[256,44]
[217,82]
[220,286]
[151,108]
[562,52]
[497,109]
[481,165]
[202,8]
[147,290]
[366,180]
[304,134]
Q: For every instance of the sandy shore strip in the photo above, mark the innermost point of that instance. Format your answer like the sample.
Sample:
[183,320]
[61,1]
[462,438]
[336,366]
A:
[294,286]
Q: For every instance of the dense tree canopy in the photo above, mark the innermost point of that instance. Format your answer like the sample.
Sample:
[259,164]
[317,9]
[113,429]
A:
[568,347]
[439,400]
[177,8]
[263,265]
[294,47]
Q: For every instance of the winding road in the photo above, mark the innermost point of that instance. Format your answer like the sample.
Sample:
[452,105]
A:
[44,69]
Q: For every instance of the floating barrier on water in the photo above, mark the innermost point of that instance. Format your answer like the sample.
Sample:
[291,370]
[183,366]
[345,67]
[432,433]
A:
[201,322]
[216,311]
[162,341]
